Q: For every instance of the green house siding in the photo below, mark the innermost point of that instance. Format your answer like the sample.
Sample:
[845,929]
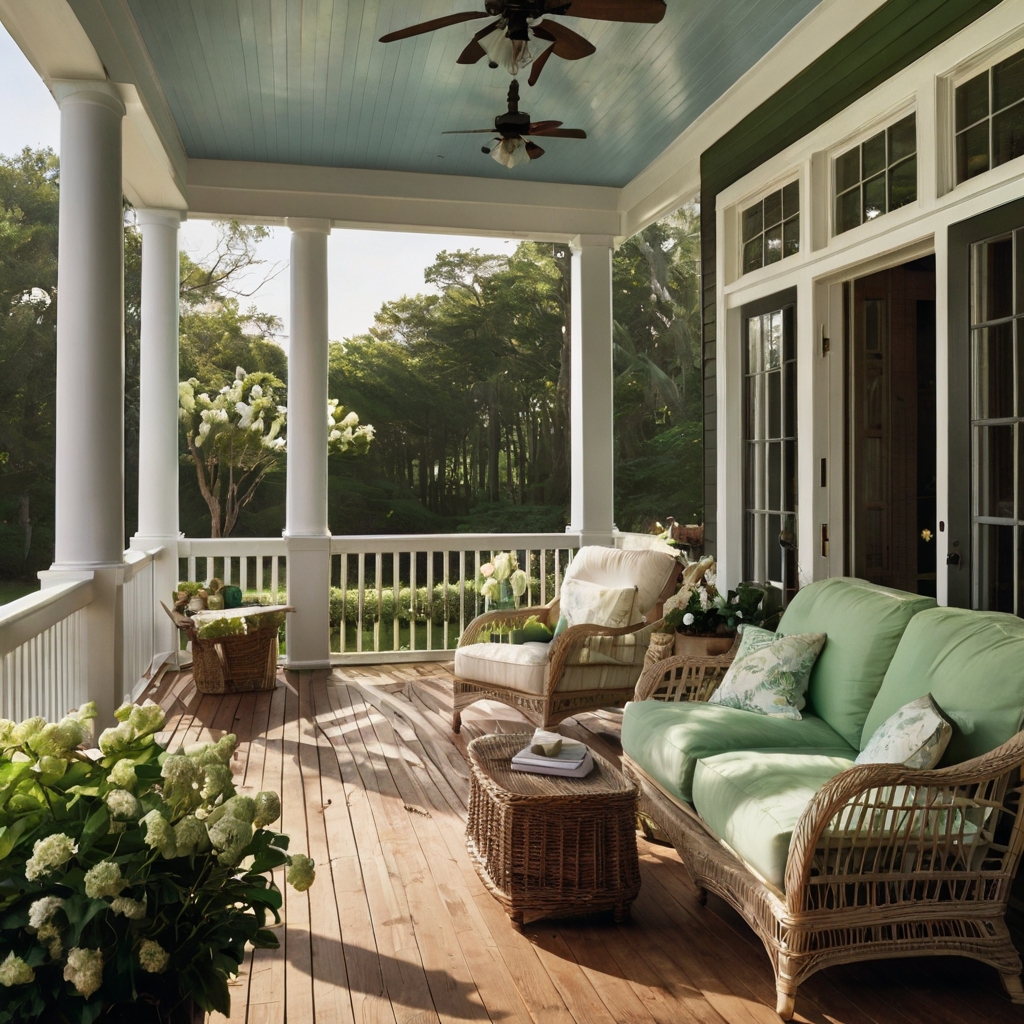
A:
[889,40]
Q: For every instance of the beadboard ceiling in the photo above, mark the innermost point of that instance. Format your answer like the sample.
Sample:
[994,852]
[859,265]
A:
[306,82]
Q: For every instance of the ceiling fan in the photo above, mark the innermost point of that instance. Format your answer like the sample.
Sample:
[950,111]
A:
[506,40]
[512,148]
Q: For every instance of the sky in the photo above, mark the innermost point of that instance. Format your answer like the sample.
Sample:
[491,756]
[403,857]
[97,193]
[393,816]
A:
[365,268]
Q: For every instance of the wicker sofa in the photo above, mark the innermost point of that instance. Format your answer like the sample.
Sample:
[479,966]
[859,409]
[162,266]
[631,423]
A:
[832,862]
[588,665]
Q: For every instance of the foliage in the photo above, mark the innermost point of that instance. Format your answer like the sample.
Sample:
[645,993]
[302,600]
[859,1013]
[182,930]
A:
[236,437]
[128,875]
[700,609]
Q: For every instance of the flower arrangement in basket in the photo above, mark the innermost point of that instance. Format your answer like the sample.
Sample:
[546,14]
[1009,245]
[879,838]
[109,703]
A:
[131,877]
[502,582]
[700,609]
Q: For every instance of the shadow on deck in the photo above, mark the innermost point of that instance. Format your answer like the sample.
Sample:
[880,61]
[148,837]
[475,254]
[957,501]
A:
[399,929]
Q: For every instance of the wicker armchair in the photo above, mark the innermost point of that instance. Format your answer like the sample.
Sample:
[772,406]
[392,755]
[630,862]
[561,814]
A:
[885,861]
[587,666]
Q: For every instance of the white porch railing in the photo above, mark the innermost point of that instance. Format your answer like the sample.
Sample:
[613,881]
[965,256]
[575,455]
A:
[139,609]
[257,565]
[43,668]
[393,598]
[399,598]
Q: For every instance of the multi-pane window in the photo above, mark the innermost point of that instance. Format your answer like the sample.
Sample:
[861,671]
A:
[990,118]
[770,489]
[877,176]
[997,422]
[771,228]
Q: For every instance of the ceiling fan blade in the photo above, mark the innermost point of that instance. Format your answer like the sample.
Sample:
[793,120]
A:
[534,150]
[560,133]
[642,11]
[542,126]
[569,45]
[472,131]
[472,53]
[430,26]
[538,64]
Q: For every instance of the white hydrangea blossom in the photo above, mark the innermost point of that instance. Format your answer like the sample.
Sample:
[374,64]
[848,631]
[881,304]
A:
[122,805]
[14,971]
[134,910]
[42,910]
[301,874]
[49,936]
[84,970]
[123,774]
[153,957]
[49,854]
[159,834]
[104,879]
[268,809]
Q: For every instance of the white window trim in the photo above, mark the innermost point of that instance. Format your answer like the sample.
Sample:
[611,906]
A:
[883,122]
[738,208]
[945,108]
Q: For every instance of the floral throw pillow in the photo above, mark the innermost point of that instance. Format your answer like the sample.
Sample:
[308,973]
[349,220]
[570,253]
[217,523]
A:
[770,673]
[916,735]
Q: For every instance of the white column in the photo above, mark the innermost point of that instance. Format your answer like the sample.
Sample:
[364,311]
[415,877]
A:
[158,409]
[592,418]
[90,372]
[307,532]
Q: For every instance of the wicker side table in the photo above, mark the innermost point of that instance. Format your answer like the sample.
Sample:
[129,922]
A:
[547,846]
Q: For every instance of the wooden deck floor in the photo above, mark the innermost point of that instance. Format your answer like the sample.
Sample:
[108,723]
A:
[398,928]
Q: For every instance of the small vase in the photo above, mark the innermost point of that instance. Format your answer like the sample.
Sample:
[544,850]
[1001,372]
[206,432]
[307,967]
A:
[505,601]
[702,646]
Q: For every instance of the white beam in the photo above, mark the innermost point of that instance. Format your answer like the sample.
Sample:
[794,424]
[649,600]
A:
[400,200]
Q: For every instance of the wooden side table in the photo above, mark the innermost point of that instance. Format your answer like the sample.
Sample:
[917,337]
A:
[547,846]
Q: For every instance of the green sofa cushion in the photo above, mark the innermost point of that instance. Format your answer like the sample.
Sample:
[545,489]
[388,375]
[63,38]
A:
[752,799]
[667,739]
[864,623]
[972,663]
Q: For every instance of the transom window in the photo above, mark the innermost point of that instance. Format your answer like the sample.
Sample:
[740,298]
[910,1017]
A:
[770,484]
[877,176]
[990,118]
[997,420]
[771,228]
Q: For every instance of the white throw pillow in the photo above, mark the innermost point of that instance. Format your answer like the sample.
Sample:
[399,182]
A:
[583,602]
[916,735]
[770,673]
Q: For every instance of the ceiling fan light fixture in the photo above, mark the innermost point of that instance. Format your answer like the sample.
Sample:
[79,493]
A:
[510,153]
[511,54]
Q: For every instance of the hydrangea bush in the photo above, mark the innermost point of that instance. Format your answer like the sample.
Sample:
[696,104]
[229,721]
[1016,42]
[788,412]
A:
[131,875]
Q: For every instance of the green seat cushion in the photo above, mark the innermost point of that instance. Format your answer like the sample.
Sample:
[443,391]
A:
[864,624]
[972,663]
[753,799]
[667,739]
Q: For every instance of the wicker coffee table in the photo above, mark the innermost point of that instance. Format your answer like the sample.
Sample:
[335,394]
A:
[547,846]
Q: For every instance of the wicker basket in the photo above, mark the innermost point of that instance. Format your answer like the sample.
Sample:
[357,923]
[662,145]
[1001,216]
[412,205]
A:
[546,846]
[232,664]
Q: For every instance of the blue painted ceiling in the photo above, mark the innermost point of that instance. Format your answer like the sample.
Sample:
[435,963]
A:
[306,82]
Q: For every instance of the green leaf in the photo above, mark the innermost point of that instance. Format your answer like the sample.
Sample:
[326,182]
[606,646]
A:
[96,825]
[10,834]
[266,939]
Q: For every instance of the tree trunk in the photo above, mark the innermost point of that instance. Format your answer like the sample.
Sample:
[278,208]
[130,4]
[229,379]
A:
[26,524]
[493,446]
[522,459]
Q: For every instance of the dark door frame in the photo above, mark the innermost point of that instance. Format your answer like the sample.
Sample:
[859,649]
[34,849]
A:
[961,237]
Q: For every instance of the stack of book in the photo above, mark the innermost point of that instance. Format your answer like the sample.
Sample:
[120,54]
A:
[568,758]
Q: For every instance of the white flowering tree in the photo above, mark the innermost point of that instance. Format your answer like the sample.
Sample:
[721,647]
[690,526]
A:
[237,435]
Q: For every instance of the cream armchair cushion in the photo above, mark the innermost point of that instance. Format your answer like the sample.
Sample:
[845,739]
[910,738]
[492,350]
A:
[517,666]
[647,570]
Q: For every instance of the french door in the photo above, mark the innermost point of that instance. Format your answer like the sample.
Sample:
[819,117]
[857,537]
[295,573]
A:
[986,560]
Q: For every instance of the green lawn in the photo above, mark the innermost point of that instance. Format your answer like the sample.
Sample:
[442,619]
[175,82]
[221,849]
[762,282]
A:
[11,590]
[387,637]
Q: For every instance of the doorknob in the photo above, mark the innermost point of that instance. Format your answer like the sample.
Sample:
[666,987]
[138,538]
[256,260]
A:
[953,557]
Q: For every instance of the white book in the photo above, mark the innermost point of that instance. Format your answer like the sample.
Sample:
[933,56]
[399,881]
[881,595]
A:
[565,771]
[571,755]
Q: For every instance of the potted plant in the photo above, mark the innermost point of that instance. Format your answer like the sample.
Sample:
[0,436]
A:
[131,877]
[705,621]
